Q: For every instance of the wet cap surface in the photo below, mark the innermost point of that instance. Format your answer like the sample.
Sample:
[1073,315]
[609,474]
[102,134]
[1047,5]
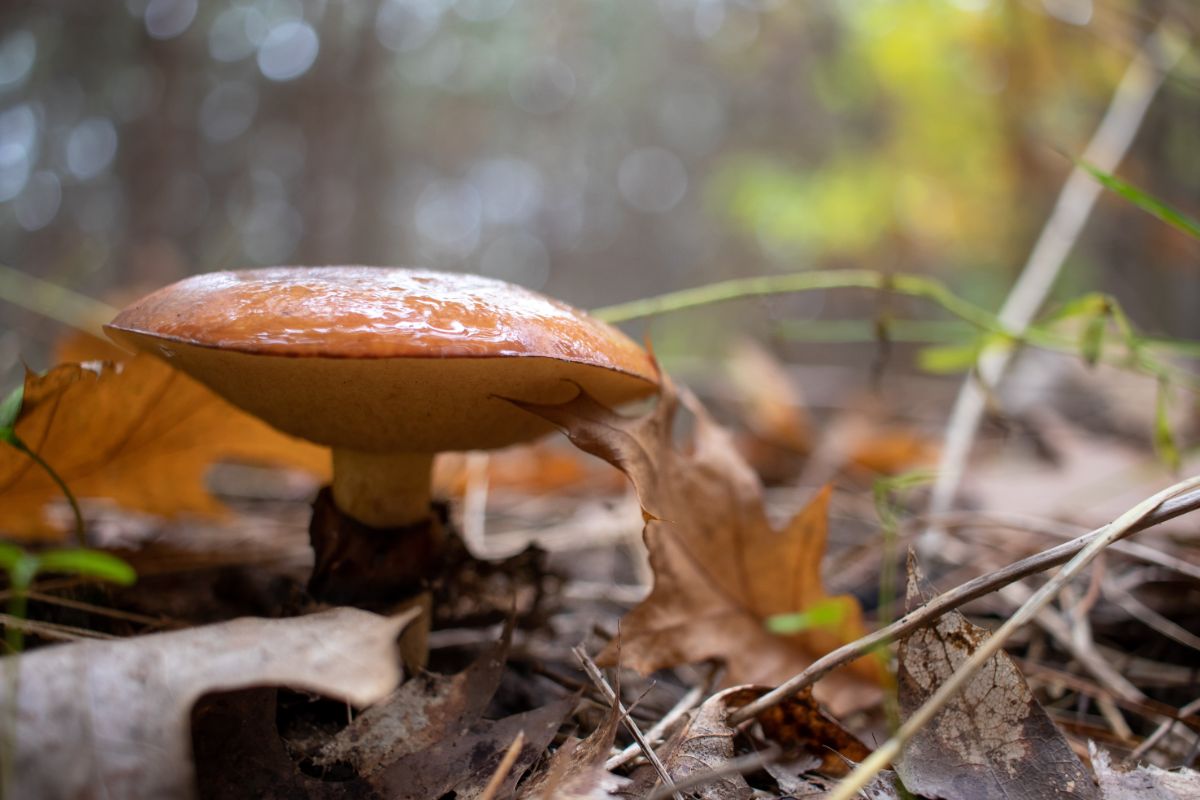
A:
[384,359]
[375,312]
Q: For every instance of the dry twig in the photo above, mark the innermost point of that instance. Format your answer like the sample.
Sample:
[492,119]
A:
[504,767]
[734,766]
[890,749]
[960,595]
[597,677]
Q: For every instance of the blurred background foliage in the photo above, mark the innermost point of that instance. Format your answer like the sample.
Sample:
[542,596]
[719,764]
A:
[599,151]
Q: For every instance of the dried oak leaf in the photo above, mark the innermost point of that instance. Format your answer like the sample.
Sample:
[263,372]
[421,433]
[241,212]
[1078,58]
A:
[720,568]
[111,719]
[993,740]
[138,433]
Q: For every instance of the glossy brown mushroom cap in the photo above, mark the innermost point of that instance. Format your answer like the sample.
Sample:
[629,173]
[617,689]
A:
[382,359]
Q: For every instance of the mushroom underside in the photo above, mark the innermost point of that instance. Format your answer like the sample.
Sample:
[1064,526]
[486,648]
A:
[414,405]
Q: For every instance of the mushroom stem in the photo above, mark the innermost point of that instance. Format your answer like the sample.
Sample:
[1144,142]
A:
[383,490]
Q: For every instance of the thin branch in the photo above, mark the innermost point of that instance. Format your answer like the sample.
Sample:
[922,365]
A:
[891,749]
[1140,83]
[1162,730]
[1060,530]
[1149,617]
[504,767]
[597,677]
[948,601]
[656,733]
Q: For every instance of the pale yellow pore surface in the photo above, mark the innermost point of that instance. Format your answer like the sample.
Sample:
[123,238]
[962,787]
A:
[412,405]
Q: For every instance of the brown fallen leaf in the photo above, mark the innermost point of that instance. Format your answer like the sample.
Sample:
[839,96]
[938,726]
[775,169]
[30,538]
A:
[705,744]
[77,347]
[138,433]
[576,770]
[1145,782]
[111,719]
[239,753]
[890,450]
[804,734]
[545,467]
[461,765]
[993,740]
[799,725]
[423,711]
[428,739]
[720,568]
[772,406]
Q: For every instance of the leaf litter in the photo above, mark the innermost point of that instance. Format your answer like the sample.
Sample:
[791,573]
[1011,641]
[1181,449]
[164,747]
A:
[138,433]
[993,740]
[720,568]
[712,545]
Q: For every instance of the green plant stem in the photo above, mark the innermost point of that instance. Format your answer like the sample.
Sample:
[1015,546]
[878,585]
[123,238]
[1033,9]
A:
[904,284]
[18,443]
[762,286]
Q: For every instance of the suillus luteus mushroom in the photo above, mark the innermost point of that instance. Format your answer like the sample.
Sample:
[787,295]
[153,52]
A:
[387,367]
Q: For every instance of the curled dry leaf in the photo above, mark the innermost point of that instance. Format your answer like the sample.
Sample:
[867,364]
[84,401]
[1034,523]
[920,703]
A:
[720,568]
[1145,782]
[111,719]
[138,433]
[993,740]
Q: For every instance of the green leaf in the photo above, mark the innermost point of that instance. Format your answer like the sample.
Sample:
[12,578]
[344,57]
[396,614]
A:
[10,409]
[1176,219]
[822,614]
[88,563]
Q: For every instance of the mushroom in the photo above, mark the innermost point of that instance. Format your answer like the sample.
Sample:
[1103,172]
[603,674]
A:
[387,367]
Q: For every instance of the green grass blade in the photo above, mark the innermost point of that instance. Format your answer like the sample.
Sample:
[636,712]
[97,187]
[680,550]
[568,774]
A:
[1173,217]
[89,564]
[10,409]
